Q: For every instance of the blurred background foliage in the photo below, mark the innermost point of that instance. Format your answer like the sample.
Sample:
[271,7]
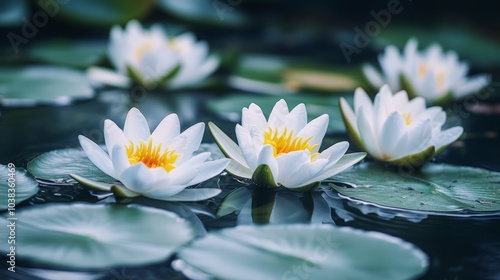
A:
[284,46]
[301,28]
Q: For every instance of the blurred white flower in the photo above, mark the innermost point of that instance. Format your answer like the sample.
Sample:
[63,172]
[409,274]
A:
[158,165]
[432,74]
[151,58]
[397,130]
[283,150]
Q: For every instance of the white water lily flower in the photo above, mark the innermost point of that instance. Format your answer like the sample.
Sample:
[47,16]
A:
[432,74]
[158,165]
[283,150]
[397,130]
[151,58]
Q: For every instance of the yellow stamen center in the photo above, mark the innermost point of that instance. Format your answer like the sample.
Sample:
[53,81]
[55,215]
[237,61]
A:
[143,49]
[440,79]
[440,76]
[407,118]
[173,44]
[422,70]
[284,143]
[151,155]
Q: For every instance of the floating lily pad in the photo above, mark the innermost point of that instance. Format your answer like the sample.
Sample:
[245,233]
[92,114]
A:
[23,184]
[437,187]
[105,13]
[85,236]
[230,106]
[207,12]
[67,53]
[42,85]
[57,165]
[280,75]
[292,251]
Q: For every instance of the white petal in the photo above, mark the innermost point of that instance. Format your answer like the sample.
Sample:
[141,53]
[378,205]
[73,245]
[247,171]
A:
[113,136]
[392,131]
[297,118]
[136,127]
[307,172]
[197,75]
[471,86]
[167,130]
[373,76]
[97,156]
[278,114]
[209,170]
[446,137]
[248,149]
[361,99]
[195,194]
[163,190]
[334,152]
[317,129]
[390,63]
[427,88]
[416,106]
[120,160]
[381,107]
[188,141]
[266,156]
[100,76]
[187,171]
[253,116]
[348,114]
[345,162]
[137,178]
[368,136]
[289,163]
[418,138]
[229,147]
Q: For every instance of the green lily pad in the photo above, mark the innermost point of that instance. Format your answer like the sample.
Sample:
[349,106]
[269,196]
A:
[58,164]
[22,184]
[81,54]
[436,187]
[280,75]
[220,13]
[42,85]
[230,106]
[295,251]
[105,13]
[84,236]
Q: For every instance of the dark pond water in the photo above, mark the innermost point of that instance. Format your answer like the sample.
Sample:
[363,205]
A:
[459,247]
